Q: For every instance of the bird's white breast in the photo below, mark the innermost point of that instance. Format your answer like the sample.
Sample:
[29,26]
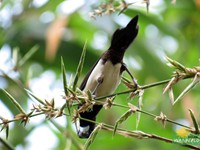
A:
[111,78]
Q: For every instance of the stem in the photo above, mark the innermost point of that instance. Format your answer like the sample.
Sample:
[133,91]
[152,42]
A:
[149,114]
[154,84]
[115,94]
[16,119]
[144,112]
[168,120]
[153,136]
[142,135]
[139,134]
[171,121]
[18,106]
[133,90]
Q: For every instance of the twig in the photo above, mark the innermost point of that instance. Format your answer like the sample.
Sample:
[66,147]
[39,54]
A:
[144,112]
[133,90]
[139,134]
[16,119]
[154,84]
[142,135]
[152,115]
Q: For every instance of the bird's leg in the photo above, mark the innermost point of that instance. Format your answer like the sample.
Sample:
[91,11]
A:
[99,81]
[134,80]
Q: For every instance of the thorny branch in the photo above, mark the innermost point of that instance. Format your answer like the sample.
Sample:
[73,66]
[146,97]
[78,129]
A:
[49,107]
[138,134]
[74,96]
[112,6]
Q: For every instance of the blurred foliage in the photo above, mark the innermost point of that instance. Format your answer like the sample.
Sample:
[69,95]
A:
[167,30]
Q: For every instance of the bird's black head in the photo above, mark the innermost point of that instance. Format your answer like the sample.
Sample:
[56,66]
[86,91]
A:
[123,37]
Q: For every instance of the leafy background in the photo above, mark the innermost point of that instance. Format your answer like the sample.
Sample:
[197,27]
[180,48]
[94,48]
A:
[60,28]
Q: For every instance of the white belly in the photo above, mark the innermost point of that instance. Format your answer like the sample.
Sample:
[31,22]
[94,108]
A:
[111,78]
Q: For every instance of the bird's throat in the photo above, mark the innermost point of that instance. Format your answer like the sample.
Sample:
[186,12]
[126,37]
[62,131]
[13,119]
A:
[113,55]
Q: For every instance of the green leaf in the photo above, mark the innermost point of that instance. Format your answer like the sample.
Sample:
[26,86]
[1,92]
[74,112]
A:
[196,126]
[64,106]
[115,128]
[189,87]
[28,55]
[14,101]
[92,136]
[15,55]
[38,99]
[68,107]
[64,77]
[176,64]
[122,119]
[138,115]
[90,97]
[80,67]
[5,126]
[65,85]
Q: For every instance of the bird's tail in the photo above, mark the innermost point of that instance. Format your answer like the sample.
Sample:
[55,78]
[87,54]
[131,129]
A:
[123,37]
[87,127]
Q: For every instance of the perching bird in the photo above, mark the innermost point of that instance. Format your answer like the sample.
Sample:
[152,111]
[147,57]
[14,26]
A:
[105,75]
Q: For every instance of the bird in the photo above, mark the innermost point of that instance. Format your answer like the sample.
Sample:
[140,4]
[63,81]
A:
[105,75]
